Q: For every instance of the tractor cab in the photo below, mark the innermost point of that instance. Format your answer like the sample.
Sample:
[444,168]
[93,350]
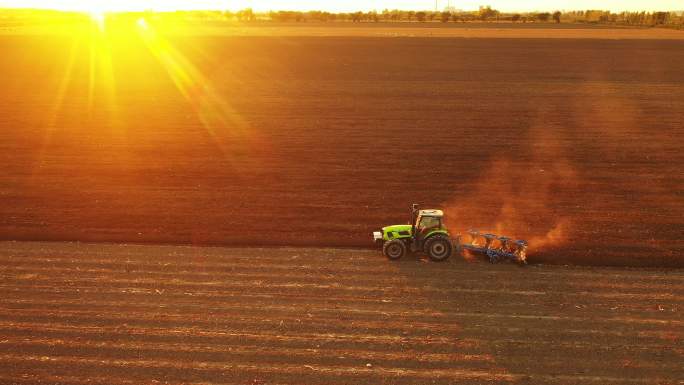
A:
[426,221]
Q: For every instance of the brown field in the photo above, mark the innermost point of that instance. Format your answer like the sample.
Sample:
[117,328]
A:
[103,314]
[214,139]
[450,30]
[381,29]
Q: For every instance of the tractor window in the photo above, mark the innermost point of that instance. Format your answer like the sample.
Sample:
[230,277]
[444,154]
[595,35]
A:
[428,223]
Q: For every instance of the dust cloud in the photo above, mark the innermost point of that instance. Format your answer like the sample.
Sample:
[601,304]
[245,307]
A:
[529,197]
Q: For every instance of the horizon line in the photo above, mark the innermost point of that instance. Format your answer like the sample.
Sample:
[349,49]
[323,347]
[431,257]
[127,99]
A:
[266,10]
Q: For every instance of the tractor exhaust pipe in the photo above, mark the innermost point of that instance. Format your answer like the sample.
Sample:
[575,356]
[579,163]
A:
[415,208]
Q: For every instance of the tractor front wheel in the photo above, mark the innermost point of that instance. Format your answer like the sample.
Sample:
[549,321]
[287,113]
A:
[438,248]
[394,249]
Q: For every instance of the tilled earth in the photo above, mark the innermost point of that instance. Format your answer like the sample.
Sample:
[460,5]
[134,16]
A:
[100,314]
[209,138]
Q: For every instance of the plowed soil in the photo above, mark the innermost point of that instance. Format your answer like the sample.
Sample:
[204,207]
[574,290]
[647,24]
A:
[104,314]
[209,138]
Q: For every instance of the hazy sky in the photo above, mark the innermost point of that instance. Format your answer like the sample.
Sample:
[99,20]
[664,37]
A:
[348,5]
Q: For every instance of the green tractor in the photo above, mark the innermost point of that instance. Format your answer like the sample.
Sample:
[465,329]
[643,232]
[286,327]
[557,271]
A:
[426,233]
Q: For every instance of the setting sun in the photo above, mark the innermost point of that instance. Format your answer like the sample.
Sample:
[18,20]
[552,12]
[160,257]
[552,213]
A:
[98,15]
[104,6]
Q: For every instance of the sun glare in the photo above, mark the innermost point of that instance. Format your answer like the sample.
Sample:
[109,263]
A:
[111,6]
[98,16]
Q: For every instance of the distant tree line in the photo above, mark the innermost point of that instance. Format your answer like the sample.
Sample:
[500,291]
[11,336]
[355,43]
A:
[626,18]
[484,14]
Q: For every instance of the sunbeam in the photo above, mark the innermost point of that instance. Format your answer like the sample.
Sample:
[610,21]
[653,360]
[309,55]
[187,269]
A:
[222,122]
[57,104]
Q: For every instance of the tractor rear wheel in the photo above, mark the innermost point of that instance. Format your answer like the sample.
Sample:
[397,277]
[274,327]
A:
[438,247]
[394,249]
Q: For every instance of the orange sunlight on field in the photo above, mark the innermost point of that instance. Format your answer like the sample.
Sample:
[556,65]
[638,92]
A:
[196,127]
[214,112]
[133,31]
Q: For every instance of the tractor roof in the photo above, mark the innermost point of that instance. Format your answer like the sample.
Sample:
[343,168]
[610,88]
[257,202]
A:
[431,213]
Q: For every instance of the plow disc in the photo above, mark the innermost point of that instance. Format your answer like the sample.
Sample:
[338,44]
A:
[496,248]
